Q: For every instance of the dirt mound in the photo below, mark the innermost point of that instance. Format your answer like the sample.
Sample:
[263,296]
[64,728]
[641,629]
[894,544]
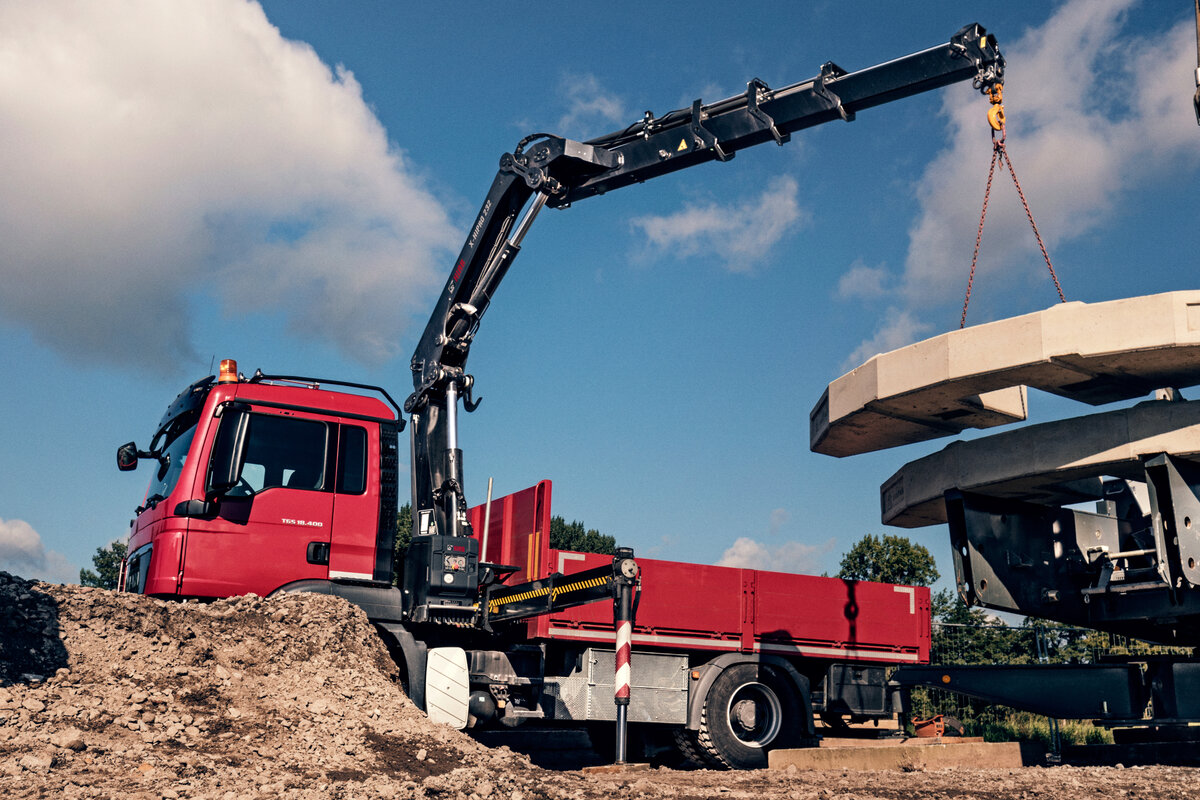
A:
[117,695]
[105,694]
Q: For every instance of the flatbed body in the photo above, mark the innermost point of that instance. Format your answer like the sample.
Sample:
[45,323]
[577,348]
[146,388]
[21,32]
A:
[714,609]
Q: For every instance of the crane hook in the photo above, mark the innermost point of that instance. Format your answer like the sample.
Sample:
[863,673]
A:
[468,401]
[995,114]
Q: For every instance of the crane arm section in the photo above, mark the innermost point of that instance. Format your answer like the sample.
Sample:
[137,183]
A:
[545,170]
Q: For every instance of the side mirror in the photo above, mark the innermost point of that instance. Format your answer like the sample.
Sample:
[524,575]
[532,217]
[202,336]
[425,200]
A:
[127,457]
[229,450]
[164,464]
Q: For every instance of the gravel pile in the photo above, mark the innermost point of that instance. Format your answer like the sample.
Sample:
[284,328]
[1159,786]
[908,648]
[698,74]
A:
[121,696]
[105,694]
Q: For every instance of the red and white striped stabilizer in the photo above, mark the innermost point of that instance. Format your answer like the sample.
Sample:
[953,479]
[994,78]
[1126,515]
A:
[624,647]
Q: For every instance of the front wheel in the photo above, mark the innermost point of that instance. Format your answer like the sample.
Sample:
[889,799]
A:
[749,711]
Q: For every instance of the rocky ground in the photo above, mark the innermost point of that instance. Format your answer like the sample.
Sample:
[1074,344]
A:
[114,695]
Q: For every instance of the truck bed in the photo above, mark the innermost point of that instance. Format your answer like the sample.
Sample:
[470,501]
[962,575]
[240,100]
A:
[685,607]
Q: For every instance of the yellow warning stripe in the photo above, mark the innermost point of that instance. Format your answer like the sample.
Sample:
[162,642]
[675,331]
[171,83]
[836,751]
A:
[494,605]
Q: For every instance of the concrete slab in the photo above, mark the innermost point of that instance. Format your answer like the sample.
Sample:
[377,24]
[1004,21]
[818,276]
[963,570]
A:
[896,741]
[929,754]
[616,768]
[1054,463]
[976,377]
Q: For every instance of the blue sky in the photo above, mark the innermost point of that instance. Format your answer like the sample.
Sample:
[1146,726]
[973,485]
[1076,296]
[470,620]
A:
[287,185]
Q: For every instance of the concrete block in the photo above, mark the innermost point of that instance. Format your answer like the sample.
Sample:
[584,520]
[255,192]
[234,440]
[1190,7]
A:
[911,755]
[1054,463]
[976,377]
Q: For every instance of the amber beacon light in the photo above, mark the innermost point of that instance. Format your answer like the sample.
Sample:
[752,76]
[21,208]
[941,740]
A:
[229,371]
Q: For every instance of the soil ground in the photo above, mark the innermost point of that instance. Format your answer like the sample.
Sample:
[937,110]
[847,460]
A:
[117,695]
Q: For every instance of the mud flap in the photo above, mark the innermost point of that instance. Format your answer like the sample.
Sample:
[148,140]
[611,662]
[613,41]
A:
[447,689]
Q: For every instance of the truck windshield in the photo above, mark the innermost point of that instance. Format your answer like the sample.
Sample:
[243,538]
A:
[175,453]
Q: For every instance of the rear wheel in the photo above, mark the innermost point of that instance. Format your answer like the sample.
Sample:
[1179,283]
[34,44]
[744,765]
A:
[749,711]
[693,754]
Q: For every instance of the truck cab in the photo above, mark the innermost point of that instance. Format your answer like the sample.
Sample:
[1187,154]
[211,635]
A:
[264,483]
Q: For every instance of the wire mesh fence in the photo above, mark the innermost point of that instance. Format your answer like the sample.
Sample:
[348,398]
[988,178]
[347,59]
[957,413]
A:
[1034,642]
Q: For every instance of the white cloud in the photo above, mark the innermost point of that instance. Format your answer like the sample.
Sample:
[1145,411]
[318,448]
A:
[1087,122]
[898,328]
[157,151]
[591,109]
[746,553]
[22,553]
[863,281]
[740,234]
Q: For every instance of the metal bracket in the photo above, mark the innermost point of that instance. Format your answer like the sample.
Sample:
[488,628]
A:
[441,491]
[535,178]
[705,136]
[752,89]
[820,89]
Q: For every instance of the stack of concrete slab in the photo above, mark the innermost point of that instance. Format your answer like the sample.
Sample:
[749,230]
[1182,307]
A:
[1054,463]
[976,377]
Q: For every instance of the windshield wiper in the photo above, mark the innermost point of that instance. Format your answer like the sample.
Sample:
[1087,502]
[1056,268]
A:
[151,502]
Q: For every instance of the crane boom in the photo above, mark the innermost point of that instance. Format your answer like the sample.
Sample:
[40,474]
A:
[546,170]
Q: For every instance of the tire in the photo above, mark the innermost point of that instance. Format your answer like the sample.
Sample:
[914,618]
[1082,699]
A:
[749,711]
[692,753]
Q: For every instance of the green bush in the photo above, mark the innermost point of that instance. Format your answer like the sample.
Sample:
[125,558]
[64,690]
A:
[1021,726]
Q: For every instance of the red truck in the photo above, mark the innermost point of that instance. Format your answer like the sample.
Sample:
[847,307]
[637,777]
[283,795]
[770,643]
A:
[279,483]
[726,661]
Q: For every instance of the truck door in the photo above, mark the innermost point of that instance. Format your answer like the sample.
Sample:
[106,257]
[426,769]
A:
[274,526]
[356,502]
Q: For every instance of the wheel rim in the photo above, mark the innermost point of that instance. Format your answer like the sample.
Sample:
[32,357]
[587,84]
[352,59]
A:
[754,714]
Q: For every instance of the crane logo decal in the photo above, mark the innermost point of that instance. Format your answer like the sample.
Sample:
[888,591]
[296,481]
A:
[483,214]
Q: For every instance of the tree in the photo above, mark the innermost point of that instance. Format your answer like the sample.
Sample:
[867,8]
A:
[889,559]
[107,562]
[404,525]
[575,536]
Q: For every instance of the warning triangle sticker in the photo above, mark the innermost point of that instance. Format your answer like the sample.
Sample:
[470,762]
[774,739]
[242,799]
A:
[682,146]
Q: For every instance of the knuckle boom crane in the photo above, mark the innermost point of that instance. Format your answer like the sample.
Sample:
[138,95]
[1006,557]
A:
[546,170]
[277,483]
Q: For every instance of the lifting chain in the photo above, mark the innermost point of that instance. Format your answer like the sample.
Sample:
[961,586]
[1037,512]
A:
[1000,154]
[1196,97]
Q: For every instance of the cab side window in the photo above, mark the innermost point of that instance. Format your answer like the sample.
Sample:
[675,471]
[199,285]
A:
[352,460]
[283,451]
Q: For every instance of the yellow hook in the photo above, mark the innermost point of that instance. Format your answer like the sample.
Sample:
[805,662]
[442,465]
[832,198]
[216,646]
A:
[996,112]
[996,117]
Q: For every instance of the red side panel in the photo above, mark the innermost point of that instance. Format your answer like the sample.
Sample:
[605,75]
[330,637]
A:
[519,532]
[699,607]
[833,618]
[695,607]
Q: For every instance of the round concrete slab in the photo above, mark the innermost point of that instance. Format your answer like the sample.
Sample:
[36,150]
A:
[1053,463]
[976,377]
